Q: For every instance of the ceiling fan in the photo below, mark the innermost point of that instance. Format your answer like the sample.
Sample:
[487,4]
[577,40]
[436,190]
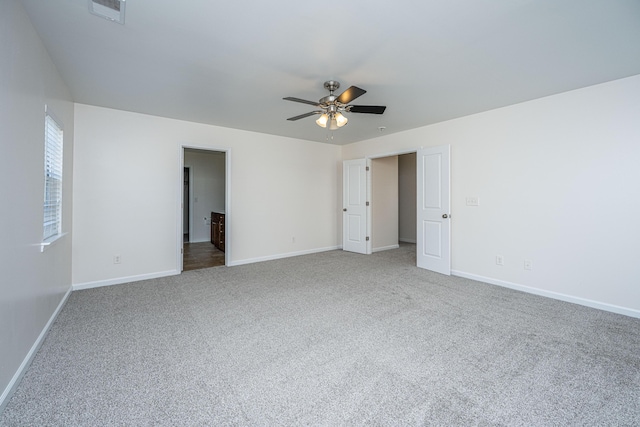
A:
[332,106]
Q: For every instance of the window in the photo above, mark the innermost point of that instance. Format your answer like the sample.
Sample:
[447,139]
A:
[52,179]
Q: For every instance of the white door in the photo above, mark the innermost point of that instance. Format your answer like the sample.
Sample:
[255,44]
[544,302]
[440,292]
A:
[354,206]
[433,205]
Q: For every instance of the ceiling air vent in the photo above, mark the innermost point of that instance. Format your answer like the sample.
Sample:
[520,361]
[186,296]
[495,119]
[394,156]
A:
[113,10]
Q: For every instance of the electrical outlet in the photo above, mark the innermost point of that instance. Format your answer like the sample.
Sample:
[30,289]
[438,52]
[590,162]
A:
[528,264]
[293,239]
[499,260]
[117,259]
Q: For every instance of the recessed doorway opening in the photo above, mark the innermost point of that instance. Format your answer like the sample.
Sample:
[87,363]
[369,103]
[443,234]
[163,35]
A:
[204,200]
[393,201]
[378,212]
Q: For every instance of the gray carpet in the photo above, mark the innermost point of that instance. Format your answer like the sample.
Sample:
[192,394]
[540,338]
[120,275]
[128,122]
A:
[329,339]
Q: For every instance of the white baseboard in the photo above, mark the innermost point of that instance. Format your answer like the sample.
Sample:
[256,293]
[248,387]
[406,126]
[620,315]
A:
[121,280]
[280,256]
[385,248]
[550,294]
[407,240]
[13,384]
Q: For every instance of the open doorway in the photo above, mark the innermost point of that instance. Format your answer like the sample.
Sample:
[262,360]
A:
[407,198]
[432,200]
[393,201]
[185,206]
[204,203]
[384,203]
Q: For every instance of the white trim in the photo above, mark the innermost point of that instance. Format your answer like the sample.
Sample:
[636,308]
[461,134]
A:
[51,241]
[180,213]
[17,377]
[228,220]
[49,112]
[386,248]
[369,212]
[551,294]
[280,256]
[121,280]
[393,153]
[405,240]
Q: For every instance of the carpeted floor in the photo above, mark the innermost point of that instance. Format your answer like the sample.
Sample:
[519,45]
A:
[329,339]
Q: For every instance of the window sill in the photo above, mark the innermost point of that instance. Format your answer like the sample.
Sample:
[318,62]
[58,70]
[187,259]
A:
[51,241]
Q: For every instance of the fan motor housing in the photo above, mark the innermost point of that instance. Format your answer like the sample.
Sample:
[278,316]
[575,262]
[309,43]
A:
[330,99]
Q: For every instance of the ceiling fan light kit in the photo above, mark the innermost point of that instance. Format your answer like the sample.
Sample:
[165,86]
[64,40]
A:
[340,120]
[335,120]
[332,107]
[322,120]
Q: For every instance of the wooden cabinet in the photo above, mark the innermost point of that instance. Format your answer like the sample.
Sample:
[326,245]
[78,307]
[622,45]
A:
[217,230]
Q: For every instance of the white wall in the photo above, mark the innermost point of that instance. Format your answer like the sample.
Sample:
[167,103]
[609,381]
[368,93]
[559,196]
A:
[128,179]
[407,198]
[557,179]
[207,185]
[384,203]
[33,284]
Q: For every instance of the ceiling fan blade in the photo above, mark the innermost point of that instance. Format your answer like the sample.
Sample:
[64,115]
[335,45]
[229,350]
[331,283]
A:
[302,116]
[367,109]
[350,94]
[304,101]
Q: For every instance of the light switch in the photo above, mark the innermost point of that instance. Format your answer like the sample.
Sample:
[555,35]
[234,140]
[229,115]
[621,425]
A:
[473,201]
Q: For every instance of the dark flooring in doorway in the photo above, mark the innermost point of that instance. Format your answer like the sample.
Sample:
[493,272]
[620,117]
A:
[201,255]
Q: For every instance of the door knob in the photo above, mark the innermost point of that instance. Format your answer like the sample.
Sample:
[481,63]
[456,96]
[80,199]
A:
[445,216]
[344,209]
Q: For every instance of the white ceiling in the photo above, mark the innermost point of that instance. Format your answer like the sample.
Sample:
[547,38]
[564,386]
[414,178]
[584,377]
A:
[230,63]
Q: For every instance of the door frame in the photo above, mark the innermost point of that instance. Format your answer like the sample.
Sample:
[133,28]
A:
[190,204]
[369,190]
[227,200]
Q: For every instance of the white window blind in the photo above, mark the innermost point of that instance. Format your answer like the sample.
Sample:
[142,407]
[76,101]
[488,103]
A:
[52,178]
